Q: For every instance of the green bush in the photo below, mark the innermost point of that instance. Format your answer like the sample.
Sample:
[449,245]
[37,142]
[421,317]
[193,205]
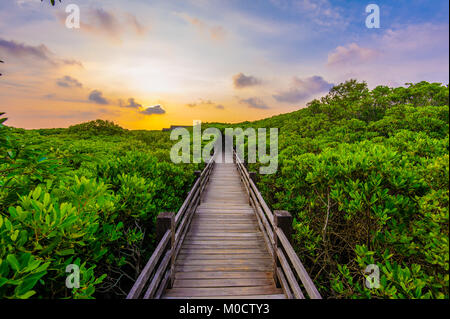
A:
[365,174]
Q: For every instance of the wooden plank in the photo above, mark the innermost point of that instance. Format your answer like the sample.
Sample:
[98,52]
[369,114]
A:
[223,251]
[195,283]
[295,288]
[284,283]
[230,206]
[207,233]
[224,222]
[224,291]
[193,256]
[225,238]
[163,284]
[253,243]
[224,275]
[157,278]
[179,268]
[226,246]
[222,262]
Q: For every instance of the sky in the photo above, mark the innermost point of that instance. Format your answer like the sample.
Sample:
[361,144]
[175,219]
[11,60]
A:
[149,64]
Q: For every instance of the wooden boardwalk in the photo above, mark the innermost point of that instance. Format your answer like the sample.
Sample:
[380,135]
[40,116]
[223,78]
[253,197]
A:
[224,242]
[224,253]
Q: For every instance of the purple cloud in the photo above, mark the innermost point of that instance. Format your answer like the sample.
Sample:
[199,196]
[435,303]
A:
[302,89]
[242,81]
[15,50]
[131,103]
[254,103]
[156,109]
[97,97]
[68,82]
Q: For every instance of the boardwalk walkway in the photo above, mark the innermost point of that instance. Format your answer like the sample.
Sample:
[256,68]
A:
[224,242]
[224,254]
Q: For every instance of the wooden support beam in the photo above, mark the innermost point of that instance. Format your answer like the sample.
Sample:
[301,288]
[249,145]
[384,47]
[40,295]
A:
[282,220]
[163,223]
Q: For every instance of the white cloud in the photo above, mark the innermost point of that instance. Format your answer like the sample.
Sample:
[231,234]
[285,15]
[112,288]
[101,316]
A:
[395,56]
[351,54]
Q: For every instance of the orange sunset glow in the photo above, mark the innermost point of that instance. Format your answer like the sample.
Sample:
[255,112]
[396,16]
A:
[214,61]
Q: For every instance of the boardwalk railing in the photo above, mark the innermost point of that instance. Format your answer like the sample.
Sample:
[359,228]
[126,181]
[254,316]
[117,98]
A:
[171,229]
[276,227]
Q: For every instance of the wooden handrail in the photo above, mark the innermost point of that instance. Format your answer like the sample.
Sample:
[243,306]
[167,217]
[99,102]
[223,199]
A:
[158,272]
[287,265]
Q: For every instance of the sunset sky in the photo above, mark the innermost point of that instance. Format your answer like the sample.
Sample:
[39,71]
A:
[150,64]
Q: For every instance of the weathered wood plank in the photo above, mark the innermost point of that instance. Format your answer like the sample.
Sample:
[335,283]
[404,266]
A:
[222,262]
[208,233]
[195,283]
[223,268]
[223,251]
[289,275]
[223,291]
[224,275]
[230,242]
[193,256]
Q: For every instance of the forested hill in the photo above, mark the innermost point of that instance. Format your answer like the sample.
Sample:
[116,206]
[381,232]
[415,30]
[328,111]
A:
[365,173]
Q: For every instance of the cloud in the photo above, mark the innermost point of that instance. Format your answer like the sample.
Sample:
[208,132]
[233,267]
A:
[254,103]
[406,53]
[220,107]
[131,103]
[156,109]
[216,32]
[200,102]
[97,97]
[350,55]
[103,22]
[302,89]
[14,50]
[242,81]
[107,23]
[68,82]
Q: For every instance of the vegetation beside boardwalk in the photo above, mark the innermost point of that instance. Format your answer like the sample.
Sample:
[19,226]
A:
[366,175]
[86,195]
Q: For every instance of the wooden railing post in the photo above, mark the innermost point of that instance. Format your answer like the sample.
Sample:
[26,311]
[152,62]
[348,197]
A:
[282,220]
[197,174]
[166,221]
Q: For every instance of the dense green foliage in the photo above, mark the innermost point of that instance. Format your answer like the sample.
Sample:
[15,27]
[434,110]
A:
[365,173]
[87,195]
